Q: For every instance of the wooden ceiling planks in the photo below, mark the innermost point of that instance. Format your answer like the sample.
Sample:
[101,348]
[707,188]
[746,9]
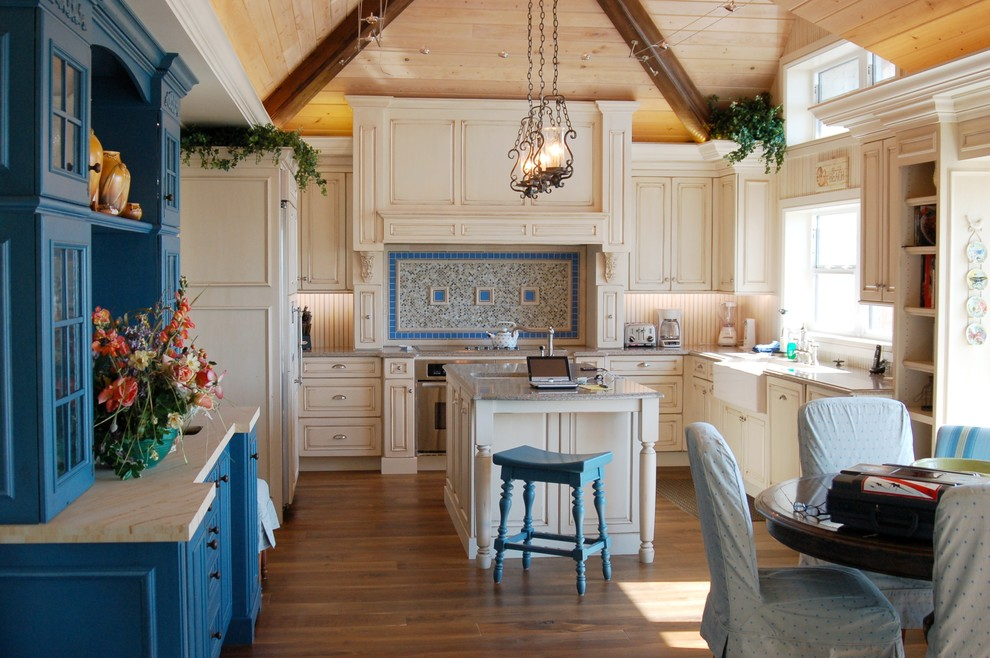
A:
[913,34]
[732,55]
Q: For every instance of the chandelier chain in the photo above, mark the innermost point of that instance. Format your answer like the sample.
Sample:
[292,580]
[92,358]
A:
[529,52]
[555,25]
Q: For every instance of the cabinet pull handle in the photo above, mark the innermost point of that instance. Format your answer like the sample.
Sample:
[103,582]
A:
[212,544]
[742,419]
[222,478]
[782,397]
[339,366]
[367,317]
[169,197]
[339,437]
[254,455]
[645,365]
[216,635]
[340,397]
[215,530]
[215,575]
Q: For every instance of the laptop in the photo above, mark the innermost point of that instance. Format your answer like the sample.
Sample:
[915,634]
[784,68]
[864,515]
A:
[550,372]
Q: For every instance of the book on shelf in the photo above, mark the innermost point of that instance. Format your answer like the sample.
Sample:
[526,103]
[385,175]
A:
[924,225]
[928,281]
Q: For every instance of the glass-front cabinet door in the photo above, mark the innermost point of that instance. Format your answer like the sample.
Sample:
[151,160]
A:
[66,125]
[67,364]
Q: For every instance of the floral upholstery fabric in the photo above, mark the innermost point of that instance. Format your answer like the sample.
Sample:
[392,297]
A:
[962,574]
[775,613]
[963,442]
[836,433]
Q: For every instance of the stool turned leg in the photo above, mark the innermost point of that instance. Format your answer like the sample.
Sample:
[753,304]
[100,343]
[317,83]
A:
[599,488]
[529,494]
[578,510]
[504,504]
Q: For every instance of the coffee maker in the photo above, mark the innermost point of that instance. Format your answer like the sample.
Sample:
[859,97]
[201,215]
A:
[668,327]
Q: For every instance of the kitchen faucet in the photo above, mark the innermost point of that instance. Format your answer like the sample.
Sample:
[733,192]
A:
[550,333]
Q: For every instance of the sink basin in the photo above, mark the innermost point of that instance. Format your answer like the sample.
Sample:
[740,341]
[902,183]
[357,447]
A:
[741,384]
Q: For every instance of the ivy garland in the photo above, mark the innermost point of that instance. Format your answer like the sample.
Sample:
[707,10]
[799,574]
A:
[746,122]
[243,142]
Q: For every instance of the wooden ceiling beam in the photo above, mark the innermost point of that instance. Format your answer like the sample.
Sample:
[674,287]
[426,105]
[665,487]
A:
[323,64]
[637,28]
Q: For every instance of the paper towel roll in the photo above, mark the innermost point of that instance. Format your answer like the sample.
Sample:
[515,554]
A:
[749,333]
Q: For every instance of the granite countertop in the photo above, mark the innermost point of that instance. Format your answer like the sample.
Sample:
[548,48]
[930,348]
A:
[845,380]
[509,381]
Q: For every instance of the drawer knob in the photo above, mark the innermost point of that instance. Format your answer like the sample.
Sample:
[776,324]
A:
[339,366]
[216,635]
[222,478]
[215,530]
[213,544]
[215,575]
[254,455]
[645,365]
[339,437]
[783,397]
[340,396]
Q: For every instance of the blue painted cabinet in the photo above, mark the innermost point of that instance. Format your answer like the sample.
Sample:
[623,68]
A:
[67,68]
[244,526]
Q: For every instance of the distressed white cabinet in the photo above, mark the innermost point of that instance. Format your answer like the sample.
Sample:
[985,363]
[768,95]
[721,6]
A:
[745,234]
[673,227]
[663,374]
[323,235]
[879,238]
[340,407]
[700,404]
[399,417]
[745,434]
[784,398]
[238,261]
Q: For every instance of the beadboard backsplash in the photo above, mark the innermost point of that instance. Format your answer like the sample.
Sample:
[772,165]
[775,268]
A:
[333,316]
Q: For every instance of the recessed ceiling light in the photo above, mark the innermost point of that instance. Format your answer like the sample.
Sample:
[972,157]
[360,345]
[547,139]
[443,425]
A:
[503,54]
[424,50]
[586,56]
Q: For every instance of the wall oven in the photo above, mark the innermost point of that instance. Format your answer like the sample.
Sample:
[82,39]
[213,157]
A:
[431,408]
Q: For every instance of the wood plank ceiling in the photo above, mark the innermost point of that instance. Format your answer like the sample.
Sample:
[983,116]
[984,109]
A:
[477,49]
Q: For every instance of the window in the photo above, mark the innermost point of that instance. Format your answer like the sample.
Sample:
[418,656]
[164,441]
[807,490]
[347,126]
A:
[821,282]
[832,72]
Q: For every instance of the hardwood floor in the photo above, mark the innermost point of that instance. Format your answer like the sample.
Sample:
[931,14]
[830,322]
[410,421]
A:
[370,564]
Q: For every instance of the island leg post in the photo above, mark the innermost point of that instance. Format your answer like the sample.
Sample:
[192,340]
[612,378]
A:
[483,505]
[648,436]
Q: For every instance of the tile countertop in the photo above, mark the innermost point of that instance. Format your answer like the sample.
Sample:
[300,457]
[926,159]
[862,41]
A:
[509,381]
[855,381]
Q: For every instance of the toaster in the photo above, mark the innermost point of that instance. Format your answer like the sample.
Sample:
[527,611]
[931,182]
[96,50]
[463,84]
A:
[641,334]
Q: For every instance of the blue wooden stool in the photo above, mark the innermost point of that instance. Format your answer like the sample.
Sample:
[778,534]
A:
[534,465]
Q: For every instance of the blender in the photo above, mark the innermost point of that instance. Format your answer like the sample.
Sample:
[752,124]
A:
[727,334]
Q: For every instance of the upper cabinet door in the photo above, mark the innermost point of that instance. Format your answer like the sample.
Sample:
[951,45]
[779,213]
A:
[323,235]
[691,235]
[65,74]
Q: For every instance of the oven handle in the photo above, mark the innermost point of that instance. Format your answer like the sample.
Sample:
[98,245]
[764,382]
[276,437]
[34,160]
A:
[431,383]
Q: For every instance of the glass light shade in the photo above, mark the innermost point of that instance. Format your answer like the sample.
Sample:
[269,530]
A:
[551,154]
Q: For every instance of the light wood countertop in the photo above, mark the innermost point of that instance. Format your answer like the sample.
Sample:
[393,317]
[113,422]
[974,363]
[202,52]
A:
[166,504]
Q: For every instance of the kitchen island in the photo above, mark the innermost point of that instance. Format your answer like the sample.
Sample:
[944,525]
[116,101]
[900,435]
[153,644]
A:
[491,407]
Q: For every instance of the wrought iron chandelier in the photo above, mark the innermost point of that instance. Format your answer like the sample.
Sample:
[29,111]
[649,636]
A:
[543,160]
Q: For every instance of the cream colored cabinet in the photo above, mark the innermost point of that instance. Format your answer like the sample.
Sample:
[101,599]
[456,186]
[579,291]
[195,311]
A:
[700,404]
[745,234]
[238,256]
[784,398]
[663,374]
[879,238]
[399,418]
[745,434]
[323,235]
[340,407]
[673,227]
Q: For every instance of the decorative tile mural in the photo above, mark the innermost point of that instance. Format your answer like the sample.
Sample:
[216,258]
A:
[480,289]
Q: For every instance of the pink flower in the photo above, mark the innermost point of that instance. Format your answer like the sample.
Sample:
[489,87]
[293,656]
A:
[101,316]
[203,400]
[121,393]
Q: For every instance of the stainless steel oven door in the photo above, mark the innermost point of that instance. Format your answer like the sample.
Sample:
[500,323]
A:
[431,417]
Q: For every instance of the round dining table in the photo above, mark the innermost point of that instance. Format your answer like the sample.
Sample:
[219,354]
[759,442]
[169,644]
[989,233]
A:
[821,538]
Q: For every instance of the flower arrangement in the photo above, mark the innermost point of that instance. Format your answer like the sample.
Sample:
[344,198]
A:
[149,383]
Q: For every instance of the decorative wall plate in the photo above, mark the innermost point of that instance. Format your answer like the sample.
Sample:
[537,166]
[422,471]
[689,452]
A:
[976,251]
[976,306]
[976,334]
[977,278]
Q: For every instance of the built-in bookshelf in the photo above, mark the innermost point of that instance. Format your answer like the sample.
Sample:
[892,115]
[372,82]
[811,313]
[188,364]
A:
[918,216]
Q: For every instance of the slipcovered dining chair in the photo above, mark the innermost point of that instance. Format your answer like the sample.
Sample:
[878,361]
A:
[771,613]
[836,433]
[961,578]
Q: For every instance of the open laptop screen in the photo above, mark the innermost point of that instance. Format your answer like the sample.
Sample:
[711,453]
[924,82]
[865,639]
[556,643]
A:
[548,369]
